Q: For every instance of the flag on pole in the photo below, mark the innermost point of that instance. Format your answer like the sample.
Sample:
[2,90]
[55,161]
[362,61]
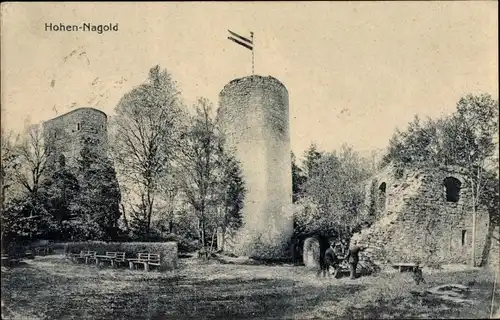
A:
[242,41]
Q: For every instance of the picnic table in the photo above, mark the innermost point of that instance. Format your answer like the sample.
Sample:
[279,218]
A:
[112,257]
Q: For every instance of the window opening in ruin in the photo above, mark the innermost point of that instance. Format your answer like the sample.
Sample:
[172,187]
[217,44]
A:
[382,187]
[452,186]
[78,126]
[464,237]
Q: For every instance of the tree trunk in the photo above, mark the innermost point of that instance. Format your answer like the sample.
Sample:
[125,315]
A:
[125,221]
[222,243]
[149,214]
[473,223]
[171,226]
[212,243]
[203,233]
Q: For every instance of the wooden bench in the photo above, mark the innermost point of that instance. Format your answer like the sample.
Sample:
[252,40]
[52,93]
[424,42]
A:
[8,261]
[86,256]
[5,260]
[73,256]
[28,254]
[145,259]
[42,251]
[404,266]
[113,258]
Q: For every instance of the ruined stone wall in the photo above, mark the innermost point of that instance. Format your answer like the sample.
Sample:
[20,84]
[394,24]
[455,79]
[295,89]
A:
[68,133]
[415,221]
[253,114]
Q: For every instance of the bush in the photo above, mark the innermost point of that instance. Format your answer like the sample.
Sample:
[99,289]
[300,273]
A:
[15,249]
[19,248]
[185,245]
[168,250]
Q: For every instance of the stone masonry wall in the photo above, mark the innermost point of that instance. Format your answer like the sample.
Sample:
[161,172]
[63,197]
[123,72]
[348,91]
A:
[416,222]
[253,114]
[68,132]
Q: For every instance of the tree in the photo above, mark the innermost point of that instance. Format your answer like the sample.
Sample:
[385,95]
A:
[419,144]
[58,193]
[97,204]
[9,162]
[469,142]
[490,199]
[311,158]
[464,138]
[333,195]
[199,164]
[23,218]
[33,152]
[24,164]
[232,194]
[170,200]
[298,180]
[146,126]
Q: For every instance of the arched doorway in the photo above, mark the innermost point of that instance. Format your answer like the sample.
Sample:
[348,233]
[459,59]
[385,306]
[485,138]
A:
[311,253]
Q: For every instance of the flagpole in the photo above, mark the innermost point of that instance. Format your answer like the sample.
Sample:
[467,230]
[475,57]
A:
[244,42]
[253,55]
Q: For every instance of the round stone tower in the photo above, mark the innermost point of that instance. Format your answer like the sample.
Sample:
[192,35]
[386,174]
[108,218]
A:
[253,114]
[70,132]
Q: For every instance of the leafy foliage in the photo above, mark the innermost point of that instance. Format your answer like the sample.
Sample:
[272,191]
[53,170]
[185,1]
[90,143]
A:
[311,159]
[24,218]
[212,181]
[333,193]
[146,128]
[58,193]
[417,145]
[97,204]
[465,138]
[8,164]
[298,180]
[468,138]
[33,151]
[232,193]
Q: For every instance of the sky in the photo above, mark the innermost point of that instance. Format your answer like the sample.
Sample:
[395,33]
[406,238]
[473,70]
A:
[354,71]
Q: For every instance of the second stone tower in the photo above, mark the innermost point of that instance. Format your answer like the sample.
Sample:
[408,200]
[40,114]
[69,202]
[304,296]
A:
[254,116]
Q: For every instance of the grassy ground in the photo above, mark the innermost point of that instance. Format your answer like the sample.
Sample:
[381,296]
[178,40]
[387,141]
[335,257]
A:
[52,288]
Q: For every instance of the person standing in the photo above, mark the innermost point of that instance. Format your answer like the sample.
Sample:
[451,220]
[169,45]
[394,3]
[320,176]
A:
[340,253]
[417,273]
[329,260]
[353,256]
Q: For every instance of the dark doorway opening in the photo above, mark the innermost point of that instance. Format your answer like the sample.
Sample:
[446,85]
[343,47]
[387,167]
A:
[381,196]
